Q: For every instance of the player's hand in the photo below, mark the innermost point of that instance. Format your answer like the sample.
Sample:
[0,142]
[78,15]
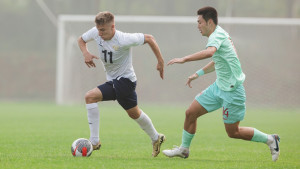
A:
[176,60]
[160,68]
[191,78]
[88,59]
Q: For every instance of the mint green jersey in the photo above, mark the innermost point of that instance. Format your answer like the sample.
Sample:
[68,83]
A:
[227,65]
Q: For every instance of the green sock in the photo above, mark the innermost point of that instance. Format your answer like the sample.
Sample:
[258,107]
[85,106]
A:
[259,136]
[186,139]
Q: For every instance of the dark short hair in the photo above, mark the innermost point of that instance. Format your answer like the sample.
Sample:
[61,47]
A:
[104,18]
[209,13]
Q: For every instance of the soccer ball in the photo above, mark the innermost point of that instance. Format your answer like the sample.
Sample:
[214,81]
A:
[81,148]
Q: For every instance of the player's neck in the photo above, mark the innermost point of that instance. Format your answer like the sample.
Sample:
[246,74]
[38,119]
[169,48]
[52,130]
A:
[212,29]
[113,34]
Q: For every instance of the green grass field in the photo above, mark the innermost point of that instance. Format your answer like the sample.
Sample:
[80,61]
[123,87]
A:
[38,135]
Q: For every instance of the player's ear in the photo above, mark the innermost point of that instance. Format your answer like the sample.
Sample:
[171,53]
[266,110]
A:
[210,22]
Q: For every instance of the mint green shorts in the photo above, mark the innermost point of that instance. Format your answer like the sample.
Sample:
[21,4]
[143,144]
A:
[233,102]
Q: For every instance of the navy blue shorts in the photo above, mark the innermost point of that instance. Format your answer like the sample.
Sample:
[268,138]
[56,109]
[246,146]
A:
[122,90]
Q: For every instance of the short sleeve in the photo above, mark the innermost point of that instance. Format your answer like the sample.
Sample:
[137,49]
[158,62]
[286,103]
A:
[90,35]
[133,39]
[216,39]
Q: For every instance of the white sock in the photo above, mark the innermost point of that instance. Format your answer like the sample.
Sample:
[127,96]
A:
[146,124]
[93,119]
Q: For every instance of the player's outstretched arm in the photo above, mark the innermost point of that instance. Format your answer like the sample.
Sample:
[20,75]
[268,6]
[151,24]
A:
[88,57]
[210,67]
[207,53]
[154,46]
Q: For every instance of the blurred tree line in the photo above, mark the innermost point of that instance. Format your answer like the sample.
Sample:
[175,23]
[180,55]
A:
[28,37]
[25,20]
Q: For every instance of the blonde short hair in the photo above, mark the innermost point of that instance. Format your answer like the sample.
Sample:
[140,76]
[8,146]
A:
[104,18]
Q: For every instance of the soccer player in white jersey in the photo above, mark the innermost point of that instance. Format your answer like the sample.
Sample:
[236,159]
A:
[115,54]
[227,92]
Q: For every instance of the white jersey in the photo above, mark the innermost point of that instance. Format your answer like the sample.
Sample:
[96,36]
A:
[116,54]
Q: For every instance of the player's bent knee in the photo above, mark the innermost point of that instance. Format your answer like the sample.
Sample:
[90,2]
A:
[93,96]
[190,114]
[233,134]
[187,113]
[134,112]
[87,98]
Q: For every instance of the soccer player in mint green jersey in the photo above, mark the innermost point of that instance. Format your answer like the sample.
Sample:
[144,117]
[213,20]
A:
[227,92]
[115,53]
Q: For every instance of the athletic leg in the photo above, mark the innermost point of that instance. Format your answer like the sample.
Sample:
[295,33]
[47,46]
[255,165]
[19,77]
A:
[91,98]
[191,114]
[190,125]
[252,134]
[204,102]
[234,109]
[127,98]
[245,133]
[146,124]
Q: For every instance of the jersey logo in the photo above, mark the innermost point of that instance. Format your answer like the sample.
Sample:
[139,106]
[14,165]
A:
[101,43]
[116,47]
